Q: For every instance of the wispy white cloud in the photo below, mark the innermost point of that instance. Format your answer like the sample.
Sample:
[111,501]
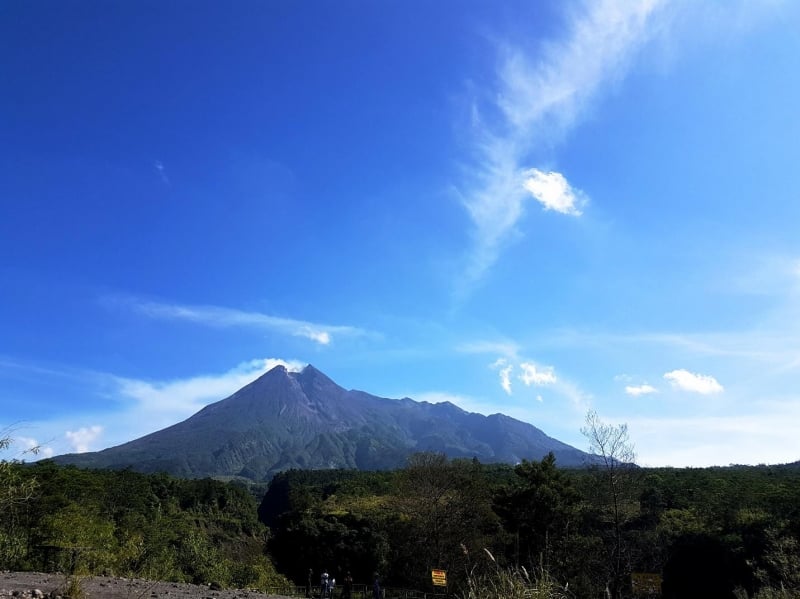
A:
[217,316]
[82,438]
[505,348]
[159,166]
[180,398]
[696,383]
[776,343]
[132,407]
[540,98]
[758,273]
[504,369]
[637,390]
[580,400]
[505,378]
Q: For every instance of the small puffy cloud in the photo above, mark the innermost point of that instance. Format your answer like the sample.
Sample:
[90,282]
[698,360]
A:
[553,191]
[531,374]
[637,390]
[696,383]
[28,443]
[83,437]
[33,447]
[534,375]
[23,447]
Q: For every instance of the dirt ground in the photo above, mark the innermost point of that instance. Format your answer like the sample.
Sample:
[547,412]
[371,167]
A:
[25,584]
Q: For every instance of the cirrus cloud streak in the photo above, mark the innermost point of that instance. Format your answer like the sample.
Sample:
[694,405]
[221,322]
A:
[537,100]
[216,316]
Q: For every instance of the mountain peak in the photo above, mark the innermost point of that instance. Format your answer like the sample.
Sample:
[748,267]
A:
[317,385]
[288,419]
[276,372]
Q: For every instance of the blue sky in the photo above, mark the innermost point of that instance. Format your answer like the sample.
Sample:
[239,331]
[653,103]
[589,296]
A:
[531,208]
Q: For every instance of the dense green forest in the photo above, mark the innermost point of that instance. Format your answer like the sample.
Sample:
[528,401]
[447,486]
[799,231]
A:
[61,518]
[716,532]
[708,532]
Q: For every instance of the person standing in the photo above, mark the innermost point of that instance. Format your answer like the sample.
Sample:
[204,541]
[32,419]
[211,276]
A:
[323,584]
[309,582]
[347,586]
[376,587]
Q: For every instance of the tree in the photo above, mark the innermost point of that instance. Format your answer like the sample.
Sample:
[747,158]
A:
[615,472]
[16,490]
[445,515]
[537,510]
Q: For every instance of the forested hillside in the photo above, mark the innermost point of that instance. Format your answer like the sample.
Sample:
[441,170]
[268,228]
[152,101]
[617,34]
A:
[704,532]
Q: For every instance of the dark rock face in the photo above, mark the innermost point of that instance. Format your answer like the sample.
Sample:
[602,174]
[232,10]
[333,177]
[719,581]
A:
[304,420]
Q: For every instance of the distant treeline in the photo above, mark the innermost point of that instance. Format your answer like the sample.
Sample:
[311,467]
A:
[707,532]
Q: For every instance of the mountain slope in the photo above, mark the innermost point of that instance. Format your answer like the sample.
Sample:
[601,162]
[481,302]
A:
[304,420]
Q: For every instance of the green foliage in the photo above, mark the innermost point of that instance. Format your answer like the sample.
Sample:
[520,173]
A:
[537,509]
[439,513]
[445,514]
[16,492]
[73,587]
[82,537]
[152,526]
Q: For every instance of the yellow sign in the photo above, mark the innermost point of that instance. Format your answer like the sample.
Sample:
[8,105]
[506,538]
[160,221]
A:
[646,584]
[439,578]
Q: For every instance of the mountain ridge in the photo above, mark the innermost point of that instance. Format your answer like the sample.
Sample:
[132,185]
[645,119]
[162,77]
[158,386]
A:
[304,419]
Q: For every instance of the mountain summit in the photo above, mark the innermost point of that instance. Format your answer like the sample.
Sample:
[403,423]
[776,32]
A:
[304,420]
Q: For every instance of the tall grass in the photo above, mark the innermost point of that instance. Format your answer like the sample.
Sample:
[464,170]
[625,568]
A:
[777,593]
[493,581]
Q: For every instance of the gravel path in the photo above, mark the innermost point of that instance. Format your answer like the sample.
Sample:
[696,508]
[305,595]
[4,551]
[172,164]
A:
[36,584]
